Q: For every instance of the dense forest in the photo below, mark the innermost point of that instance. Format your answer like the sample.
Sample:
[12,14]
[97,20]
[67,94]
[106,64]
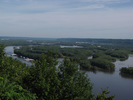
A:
[44,81]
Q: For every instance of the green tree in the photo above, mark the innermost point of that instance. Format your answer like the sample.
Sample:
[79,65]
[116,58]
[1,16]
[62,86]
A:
[45,80]
[74,84]
[13,91]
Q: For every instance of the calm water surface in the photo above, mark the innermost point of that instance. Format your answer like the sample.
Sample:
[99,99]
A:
[119,84]
[9,50]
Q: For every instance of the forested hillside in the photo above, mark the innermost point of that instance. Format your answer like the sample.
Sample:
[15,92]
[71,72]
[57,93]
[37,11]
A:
[44,81]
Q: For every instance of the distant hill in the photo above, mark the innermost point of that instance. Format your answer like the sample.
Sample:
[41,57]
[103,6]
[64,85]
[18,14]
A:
[24,38]
[104,41]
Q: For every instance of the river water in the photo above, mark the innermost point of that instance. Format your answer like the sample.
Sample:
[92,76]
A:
[9,50]
[62,46]
[119,84]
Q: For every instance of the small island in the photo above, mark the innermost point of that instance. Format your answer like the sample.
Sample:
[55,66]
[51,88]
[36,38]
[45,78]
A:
[126,70]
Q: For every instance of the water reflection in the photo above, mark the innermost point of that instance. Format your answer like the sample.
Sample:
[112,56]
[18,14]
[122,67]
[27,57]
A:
[106,71]
[100,70]
[126,76]
[130,55]
[123,59]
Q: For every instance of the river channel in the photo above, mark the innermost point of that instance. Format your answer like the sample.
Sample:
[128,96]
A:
[121,85]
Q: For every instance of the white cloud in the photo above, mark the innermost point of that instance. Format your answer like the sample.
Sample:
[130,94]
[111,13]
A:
[79,20]
[91,20]
[90,7]
[105,1]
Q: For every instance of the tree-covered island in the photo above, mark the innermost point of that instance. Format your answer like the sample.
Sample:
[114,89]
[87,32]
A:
[102,57]
[126,70]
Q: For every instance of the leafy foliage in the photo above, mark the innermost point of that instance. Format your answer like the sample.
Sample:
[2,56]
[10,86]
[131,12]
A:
[46,80]
[12,91]
[102,96]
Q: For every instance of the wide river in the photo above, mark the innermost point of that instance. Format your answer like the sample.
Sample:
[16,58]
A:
[121,85]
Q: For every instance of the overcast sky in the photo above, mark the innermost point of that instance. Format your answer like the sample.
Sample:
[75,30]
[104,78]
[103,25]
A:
[67,18]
